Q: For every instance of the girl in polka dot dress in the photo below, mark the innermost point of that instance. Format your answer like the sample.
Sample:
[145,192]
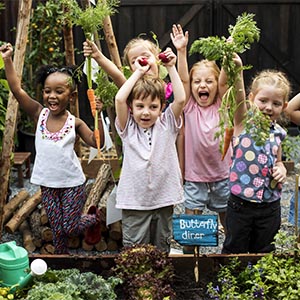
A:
[257,172]
[56,168]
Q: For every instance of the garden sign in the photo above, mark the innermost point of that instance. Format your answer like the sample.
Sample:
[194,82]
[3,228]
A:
[196,230]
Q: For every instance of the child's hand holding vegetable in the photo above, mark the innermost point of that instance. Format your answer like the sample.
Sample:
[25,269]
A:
[6,51]
[90,49]
[167,57]
[142,64]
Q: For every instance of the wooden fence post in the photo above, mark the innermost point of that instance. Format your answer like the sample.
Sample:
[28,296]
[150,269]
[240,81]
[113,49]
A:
[12,106]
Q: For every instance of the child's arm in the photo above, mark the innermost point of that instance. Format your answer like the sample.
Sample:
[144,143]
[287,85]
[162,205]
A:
[86,134]
[90,49]
[122,95]
[180,42]
[293,109]
[222,83]
[178,89]
[240,97]
[279,170]
[30,106]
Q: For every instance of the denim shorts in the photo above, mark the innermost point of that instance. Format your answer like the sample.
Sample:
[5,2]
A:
[210,195]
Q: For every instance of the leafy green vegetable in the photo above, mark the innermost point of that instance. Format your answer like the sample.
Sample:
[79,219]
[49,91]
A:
[274,276]
[257,124]
[242,35]
[147,273]
[90,20]
[70,284]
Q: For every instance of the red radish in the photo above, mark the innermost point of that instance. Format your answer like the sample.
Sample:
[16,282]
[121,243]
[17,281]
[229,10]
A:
[162,56]
[143,62]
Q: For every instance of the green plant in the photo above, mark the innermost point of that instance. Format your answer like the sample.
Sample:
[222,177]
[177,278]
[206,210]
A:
[291,148]
[70,284]
[4,91]
[146,272]
[44,47]
[274,276]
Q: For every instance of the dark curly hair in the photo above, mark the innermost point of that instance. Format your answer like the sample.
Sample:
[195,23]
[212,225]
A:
[46,70]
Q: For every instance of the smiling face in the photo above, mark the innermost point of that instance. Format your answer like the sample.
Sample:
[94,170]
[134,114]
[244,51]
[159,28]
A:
[270,101]
[204,82]
[57,92]
[145,111]
[270,91]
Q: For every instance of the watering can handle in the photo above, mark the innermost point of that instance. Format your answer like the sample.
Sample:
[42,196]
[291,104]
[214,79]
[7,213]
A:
[16,250]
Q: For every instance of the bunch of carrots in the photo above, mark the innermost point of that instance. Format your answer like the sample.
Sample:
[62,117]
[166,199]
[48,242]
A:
[90,20]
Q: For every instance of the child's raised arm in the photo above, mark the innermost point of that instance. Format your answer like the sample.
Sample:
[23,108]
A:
[30,106]
[293,109]
[178,88]
[122,95]
[91,49]
[180,42]
[240,98]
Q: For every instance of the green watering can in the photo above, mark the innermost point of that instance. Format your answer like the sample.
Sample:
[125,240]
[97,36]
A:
[14,266]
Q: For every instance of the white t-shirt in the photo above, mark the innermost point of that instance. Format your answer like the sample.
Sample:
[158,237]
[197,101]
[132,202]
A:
[150,176]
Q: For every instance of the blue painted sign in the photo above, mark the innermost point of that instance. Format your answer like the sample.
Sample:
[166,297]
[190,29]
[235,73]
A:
[196,230]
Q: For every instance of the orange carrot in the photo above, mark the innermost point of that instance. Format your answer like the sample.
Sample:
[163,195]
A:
[97,137]
[97,132]
[227,140]
[92,99]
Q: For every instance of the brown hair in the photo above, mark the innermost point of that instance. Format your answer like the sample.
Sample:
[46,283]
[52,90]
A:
[273,78]
[148,86]
[139,41]
[207,64]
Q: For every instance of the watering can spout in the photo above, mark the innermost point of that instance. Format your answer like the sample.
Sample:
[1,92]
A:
[38,267]
[24,281]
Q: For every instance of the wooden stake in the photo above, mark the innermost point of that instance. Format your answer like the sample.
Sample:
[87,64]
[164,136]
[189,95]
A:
[196,253]
[12,106]
[70,60]
[296,212]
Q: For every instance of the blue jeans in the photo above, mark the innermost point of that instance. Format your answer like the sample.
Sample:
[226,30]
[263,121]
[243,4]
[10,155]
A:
[251,227]
[292,209]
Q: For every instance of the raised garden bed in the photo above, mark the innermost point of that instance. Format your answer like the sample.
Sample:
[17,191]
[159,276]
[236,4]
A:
[184,284]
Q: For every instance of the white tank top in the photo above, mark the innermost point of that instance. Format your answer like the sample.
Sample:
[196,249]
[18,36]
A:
[56,164]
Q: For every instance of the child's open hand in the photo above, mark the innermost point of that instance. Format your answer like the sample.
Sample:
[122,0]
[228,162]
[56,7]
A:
[179,39]
[6,51]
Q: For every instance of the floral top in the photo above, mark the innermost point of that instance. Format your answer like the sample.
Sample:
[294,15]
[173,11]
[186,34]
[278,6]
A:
[251,171]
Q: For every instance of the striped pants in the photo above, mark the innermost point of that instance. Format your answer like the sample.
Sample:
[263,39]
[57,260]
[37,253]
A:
[64,210]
